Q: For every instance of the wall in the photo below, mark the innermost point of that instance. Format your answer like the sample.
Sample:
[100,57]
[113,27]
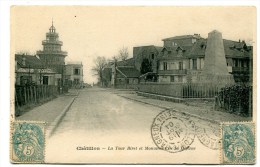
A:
[174,90]
[164,79]
[121,83]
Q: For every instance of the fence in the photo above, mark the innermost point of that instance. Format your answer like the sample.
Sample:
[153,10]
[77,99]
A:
[181,90]
[33,94]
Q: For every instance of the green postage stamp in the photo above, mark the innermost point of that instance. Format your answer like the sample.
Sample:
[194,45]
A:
[238,143]
[27,142]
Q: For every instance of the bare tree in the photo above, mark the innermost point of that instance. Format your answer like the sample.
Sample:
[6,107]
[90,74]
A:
[123,53]
[99,64]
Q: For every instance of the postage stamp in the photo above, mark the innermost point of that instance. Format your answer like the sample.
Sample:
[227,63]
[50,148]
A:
[27,142]
[238,143]
[172,132]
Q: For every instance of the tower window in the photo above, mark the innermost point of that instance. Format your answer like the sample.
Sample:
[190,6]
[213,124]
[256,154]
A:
[76,71]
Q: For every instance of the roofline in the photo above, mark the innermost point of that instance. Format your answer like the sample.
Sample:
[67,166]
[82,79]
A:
[183,37]
[147,46]
[176,37]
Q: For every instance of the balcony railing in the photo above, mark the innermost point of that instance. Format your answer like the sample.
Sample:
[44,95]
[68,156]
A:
[180,72]
[52,52]
[52,42]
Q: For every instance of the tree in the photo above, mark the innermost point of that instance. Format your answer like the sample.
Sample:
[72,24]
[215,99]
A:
[146,66]
[99,64]
[123,53]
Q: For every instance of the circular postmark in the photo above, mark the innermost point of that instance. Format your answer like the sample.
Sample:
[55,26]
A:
[172,132]
[208,134]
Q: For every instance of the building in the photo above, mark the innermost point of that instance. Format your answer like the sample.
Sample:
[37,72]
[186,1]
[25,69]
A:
[121,74]
[182,59]
[74,75]
[52,56]
[146,53]
[29,70]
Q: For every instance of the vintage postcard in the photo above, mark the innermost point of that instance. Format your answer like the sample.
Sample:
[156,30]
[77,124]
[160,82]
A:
[133,85]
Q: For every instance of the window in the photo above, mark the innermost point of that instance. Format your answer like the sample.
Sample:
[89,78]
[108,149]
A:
[172,78]
[180,79]
[242,63]
[76,71]
[193,40]
[194,64]
[152,56]
[164,65]
[200,63]
[179,52]
[180,65]
[236,64]
[76,81]
[45,80]
[174,44]
[24,80]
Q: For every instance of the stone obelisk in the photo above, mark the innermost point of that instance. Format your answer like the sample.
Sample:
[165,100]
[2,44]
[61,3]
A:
[215,65]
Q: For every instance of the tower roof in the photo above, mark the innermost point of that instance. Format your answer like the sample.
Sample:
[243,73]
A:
[52,28]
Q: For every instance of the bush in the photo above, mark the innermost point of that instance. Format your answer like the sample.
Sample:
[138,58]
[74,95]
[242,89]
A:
[237,99]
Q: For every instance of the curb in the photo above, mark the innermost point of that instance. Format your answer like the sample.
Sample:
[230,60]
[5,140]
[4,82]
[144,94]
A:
[53,126]
[169,108]
[161,97]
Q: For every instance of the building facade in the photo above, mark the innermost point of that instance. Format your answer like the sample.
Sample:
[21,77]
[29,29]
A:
[29,70]
[74,75]
[120,74]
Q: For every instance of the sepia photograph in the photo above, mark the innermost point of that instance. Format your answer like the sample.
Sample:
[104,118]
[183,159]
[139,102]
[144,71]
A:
[133,84]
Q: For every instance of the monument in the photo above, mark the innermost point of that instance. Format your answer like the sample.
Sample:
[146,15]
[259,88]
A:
[215,65]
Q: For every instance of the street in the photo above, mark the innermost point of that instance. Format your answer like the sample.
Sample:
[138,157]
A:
[100,119]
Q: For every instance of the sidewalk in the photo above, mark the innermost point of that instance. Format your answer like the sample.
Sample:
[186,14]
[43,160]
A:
[205,113]
[52,111]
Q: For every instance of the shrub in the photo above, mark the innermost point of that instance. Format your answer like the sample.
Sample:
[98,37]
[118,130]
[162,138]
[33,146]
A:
[237,99]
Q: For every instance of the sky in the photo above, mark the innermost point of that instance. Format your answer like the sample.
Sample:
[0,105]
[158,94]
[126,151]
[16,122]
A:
[88,32]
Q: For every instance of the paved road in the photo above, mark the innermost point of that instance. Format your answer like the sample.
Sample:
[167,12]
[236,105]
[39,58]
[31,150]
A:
[99,118]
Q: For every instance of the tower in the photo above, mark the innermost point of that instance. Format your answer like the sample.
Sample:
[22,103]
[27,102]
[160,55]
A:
[52,56]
